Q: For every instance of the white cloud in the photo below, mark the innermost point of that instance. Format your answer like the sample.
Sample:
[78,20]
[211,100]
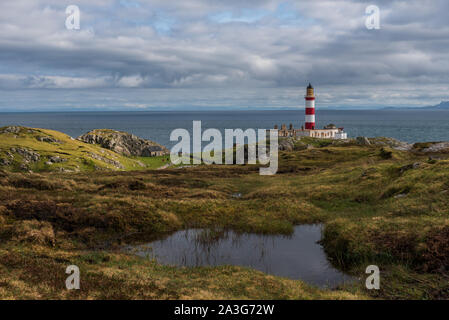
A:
[176,44]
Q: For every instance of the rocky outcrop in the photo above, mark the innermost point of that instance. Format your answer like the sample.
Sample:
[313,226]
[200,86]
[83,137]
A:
[55,159]
[392,143]
[28,157]
[415,165]
[17,130]
[47,139]
[437,147]
[364,141]
[4,162]
[8,160]
[32,149]
[286,144]
[11,129]
[27,154]
[293,144]
[124,143]
[116,164]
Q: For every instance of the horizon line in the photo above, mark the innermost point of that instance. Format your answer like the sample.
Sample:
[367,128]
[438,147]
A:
[221,109]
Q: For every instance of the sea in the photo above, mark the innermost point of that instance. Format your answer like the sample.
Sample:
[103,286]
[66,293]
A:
[406,125]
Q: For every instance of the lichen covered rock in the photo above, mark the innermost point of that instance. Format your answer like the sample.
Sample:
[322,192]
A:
[124,143]
[437,147]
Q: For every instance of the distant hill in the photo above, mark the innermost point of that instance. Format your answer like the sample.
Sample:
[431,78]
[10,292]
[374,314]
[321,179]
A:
[443,105]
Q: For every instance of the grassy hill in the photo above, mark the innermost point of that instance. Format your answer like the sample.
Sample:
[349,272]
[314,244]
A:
[42,150]
[379,205]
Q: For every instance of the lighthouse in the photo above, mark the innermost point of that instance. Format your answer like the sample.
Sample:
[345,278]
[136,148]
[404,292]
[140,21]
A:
[309,130]
[310,108]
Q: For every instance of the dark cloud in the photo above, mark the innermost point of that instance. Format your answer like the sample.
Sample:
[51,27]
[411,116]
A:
[258,46]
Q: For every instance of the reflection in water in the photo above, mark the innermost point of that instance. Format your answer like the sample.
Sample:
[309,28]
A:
[298,256]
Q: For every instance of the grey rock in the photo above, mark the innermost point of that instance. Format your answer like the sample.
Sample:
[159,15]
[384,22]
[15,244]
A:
[56,159]
[437,158]
[403,146]
[141,164]
[27,154]
[437,147]
[392,143]
[16,130]
[415,165]
[47,139]
[124,143]
[11,129]
[286,144]
[363,141]
[116,164]
[4,162]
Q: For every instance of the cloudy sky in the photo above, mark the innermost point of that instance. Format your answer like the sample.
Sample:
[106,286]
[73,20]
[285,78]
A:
[146,54]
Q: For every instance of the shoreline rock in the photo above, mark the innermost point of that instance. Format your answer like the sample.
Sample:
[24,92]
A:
[437,147]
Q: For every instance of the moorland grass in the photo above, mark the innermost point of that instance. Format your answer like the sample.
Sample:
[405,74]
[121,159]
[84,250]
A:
[391,211]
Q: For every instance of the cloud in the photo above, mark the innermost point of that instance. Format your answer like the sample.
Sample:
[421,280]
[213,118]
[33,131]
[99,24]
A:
[227,45]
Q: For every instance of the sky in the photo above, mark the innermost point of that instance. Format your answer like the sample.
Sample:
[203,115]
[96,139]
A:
[203,54]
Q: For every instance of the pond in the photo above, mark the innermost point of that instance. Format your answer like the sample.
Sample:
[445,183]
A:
[298,256]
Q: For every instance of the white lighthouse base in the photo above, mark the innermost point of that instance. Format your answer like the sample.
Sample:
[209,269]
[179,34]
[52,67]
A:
[336,133]
[341,135]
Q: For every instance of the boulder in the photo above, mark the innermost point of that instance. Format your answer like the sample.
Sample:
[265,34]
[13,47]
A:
[4,162]
[11,129]
[27,154]
[286,144]
[392,143]
[415,165]
[47,139]
[116,164]
[17,130]
[437,147]
[124,143]
[56,159]
[363,141]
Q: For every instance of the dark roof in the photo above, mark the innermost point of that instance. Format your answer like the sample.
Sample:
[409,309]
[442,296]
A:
[153,148]
[310,86]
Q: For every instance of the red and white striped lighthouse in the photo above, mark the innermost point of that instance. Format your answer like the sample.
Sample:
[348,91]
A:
[310,108]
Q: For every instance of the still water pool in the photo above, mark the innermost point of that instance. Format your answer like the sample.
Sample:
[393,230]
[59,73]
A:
[298,256]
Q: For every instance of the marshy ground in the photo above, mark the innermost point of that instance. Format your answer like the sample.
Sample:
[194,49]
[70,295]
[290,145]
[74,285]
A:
[379,206]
